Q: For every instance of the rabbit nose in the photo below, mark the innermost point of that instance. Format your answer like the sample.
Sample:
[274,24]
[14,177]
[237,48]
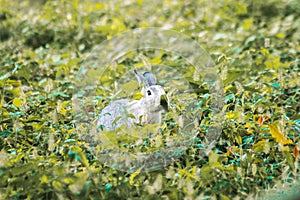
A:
[164,102]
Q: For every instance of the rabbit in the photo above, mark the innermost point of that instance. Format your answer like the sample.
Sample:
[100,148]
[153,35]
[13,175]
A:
[147,110]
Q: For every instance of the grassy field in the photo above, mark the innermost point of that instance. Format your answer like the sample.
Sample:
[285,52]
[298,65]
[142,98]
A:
[47,150]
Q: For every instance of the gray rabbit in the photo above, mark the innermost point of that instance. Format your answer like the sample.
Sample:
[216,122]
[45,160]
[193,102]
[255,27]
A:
[147,110]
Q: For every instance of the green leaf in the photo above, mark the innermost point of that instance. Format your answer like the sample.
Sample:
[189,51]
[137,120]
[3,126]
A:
[107,188]
[82,158]
[16,114]
[289,158]
[229,97]
[276,85]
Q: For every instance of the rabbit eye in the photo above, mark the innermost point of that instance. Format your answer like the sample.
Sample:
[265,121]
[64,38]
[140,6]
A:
[148,92]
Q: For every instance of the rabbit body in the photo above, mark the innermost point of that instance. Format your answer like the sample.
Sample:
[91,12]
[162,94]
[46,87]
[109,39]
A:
[147,110]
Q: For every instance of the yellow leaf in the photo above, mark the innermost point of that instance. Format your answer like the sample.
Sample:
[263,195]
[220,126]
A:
[265,51]
[137,96]
[188,174]
[223,197]
[37,126]
[279,136]
[86,24]
[99,6]
[286,148]
[57,185]
[83,159]
[213,157]
[249,128]
[44,179]
[68,180]
[14,82]
[227,88]
[233,115]
[239,139]
[248,23]
[71,130]
[213,161]
[280,35]
[17,102]
[61,107]
[273,62]
[132,176]
[156,61]
[259,146]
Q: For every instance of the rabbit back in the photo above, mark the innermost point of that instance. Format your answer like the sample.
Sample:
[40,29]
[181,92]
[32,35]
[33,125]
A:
[120,112]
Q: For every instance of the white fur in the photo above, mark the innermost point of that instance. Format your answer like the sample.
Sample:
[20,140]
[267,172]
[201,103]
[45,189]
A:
[147,110]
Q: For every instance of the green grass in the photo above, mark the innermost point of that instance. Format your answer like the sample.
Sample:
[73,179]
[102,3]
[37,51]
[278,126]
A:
[255,46]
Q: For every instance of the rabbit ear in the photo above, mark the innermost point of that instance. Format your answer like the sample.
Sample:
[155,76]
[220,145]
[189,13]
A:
[139,77]
[150,78]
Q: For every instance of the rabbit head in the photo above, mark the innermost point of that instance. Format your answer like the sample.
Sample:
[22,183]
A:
[155,98]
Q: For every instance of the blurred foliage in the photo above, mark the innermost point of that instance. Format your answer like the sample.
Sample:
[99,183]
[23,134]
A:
[255,45]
